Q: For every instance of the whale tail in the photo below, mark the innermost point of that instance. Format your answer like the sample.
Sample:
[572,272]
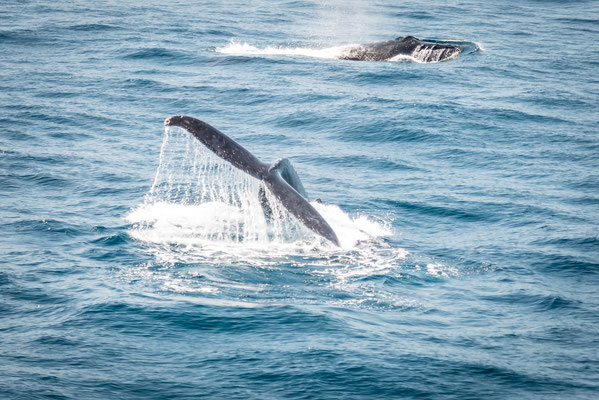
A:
[280,178]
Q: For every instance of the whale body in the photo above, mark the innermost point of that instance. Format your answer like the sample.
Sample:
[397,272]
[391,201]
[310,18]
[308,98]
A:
[279,178]
[408,46]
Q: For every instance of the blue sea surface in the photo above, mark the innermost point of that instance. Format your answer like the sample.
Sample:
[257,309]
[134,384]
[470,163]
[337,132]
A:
[465,194]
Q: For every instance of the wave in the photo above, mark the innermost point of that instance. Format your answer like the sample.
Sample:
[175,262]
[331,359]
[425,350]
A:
[93,27]
[161,54]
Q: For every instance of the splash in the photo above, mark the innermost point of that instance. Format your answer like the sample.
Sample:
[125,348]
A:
[201,208]
[425,56]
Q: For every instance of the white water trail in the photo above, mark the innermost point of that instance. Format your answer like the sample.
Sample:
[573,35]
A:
[244,49]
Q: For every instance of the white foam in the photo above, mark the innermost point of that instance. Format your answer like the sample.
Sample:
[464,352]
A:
[216,230]
[168,223]
[351,231]
[441,270]
[244,49]
[423,56]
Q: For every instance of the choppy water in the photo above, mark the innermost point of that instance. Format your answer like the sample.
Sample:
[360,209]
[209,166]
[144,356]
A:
[465,194]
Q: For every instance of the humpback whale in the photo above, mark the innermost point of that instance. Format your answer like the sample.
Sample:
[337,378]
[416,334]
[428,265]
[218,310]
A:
[279,178]
[406,46]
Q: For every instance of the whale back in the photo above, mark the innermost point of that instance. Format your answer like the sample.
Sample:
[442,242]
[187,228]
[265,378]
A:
[427,51]
[403,46]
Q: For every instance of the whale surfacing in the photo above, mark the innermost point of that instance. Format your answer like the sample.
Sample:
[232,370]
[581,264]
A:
[280,178]
[403,46]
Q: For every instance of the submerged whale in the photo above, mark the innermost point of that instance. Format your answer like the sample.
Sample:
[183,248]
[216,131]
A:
[280,178]
[403,46]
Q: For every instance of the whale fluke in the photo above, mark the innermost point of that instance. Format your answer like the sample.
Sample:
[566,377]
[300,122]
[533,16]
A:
[280,178]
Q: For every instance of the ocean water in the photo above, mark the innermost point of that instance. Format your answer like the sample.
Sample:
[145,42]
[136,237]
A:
[135,264]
